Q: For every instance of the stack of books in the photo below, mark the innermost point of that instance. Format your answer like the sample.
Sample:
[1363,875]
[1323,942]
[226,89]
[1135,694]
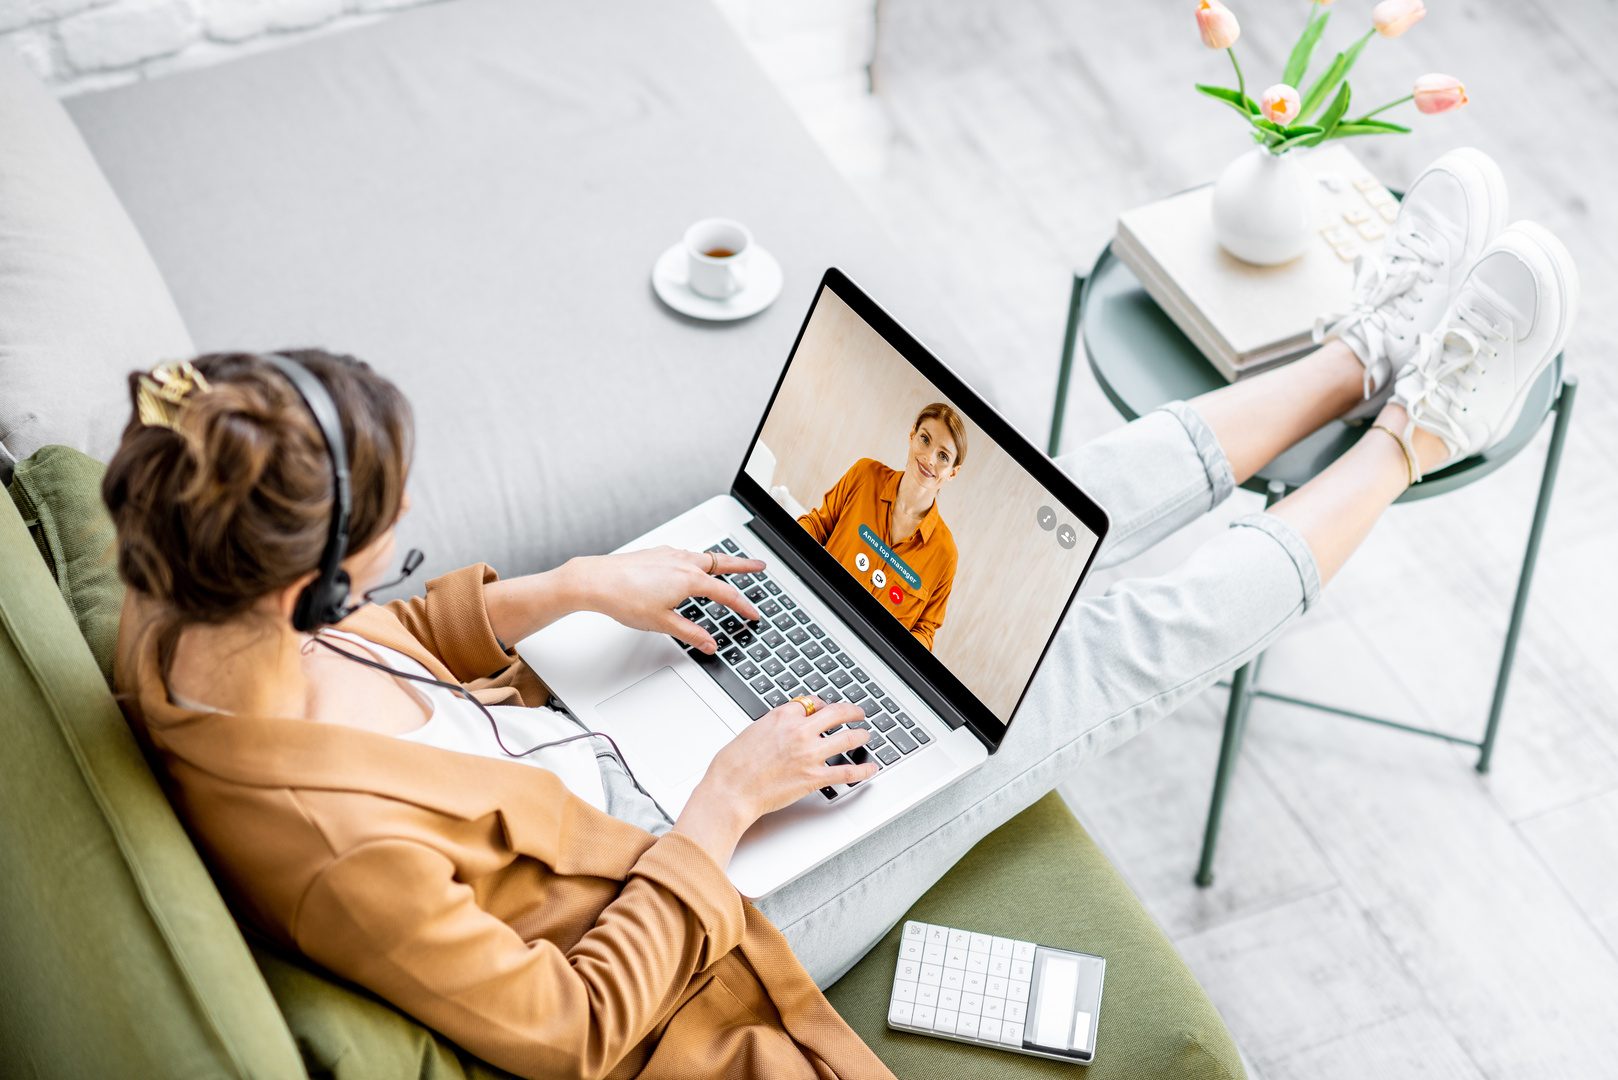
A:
[1247,318]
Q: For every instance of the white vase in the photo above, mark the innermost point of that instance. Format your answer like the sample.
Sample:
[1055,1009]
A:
[1263,207]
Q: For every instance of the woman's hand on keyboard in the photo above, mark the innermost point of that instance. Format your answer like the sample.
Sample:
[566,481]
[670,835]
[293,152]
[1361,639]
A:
[641,589]
[779,759]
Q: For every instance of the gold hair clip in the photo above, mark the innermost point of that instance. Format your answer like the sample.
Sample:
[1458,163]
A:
[164,389]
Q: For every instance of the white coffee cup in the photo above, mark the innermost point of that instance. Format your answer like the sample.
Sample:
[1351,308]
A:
[711,274]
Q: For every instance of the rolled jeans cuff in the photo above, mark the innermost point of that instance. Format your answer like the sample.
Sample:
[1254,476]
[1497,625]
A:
[1293,543]
[1221,481]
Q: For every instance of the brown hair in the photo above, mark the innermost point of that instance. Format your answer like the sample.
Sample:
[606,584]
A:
[233,502]
[951,419]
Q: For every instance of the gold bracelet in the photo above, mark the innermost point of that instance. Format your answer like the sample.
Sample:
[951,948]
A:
[1410,461]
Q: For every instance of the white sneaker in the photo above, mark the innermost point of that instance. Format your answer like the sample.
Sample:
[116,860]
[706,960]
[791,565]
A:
[1469,379]
[1449,215]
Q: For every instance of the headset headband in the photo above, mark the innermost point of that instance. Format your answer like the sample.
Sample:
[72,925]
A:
[325,600]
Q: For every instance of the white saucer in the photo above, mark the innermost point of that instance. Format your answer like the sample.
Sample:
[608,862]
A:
[763,286]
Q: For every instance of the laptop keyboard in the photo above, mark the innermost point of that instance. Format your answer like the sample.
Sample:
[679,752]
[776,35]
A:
[765,664]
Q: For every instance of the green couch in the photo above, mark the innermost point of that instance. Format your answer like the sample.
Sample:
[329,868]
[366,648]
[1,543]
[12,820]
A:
[120,958]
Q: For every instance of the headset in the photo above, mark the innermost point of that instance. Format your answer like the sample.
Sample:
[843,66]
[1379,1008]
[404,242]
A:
[325,601]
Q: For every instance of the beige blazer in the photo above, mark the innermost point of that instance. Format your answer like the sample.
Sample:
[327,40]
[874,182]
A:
[481,896]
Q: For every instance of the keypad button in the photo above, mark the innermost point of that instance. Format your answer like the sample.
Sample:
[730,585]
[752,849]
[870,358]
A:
[944,1020]
[826,664]
[974,981]
[999,965]
[901,1012]
[1022,950]
[989,1029]
[955,958]
[954,979]
[747,669]
[846,660]
[976,961]
[812,649]
[774,699]
[730,546]
[922,1016]
[772,588]
[814,681]
[949,999]
[959,939]
[980,943]
[914,931]
[921,736]
[933,953]
[904,990]
[859,673]
[1016,1011]
[994,1004]
[971,1004]
[967,1025]
[830,694]
[926,995]
[905,743]
[910,950]
[839,679]
[1017,990]
[887,755]
[773,638]
[1011,1034]
[816,632]
[931,974]
[904,718]
[788,603]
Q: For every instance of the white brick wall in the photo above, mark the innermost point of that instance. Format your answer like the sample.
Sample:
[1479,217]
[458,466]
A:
[814,48]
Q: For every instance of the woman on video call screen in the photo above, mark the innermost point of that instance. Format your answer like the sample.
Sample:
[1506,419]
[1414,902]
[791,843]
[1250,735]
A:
[883,524]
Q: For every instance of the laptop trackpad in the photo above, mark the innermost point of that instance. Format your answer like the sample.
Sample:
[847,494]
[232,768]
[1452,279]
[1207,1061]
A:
[661,721]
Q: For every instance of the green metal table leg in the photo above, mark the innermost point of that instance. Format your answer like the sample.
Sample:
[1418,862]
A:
[1070,340]
[1547,484]
[1242,685]
[1229,748]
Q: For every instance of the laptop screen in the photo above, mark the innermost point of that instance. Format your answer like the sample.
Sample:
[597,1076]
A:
[913,497]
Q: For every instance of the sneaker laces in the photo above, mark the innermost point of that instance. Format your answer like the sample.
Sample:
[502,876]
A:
[1382,289]
[1441,366]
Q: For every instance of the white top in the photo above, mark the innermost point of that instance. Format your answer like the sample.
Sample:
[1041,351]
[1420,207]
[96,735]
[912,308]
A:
[456,724]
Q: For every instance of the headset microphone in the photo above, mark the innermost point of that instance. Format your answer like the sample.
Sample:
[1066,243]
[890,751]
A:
[412,563]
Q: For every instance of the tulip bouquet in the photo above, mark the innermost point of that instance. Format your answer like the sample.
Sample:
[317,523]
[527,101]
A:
[1281,117]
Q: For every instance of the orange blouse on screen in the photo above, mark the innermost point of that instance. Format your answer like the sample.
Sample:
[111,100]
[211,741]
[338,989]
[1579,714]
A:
[864,496]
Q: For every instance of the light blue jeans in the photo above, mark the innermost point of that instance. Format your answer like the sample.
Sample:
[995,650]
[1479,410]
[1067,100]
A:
[1120,661]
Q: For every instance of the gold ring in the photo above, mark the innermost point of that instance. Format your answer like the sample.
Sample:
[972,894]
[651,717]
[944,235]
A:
[713,562]
[808,704]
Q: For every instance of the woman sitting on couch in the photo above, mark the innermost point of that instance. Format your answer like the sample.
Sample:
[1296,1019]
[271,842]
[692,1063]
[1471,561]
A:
[539,909]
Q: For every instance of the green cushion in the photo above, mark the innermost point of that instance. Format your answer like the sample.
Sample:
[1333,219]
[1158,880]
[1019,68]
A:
[57,490]
[346,1033]
[1040,877]
[118,956]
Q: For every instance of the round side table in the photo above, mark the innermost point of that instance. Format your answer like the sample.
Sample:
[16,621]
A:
[1141,360]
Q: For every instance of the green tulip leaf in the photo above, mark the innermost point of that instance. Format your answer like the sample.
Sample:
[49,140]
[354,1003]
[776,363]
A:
[1334,74]
[1367,127]
[1298,62]
[1332,116]
[1238,101]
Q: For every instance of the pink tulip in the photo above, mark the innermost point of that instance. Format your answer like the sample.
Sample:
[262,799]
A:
[1394,17]
[1280,103]
[1217,24]
[1435,93]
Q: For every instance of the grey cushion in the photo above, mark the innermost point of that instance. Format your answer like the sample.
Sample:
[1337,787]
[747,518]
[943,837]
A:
[81,303]
[471,196]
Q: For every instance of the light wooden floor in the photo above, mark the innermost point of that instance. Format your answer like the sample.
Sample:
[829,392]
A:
[1381,909]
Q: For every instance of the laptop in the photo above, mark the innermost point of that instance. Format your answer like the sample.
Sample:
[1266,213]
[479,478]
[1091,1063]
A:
[936,635]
